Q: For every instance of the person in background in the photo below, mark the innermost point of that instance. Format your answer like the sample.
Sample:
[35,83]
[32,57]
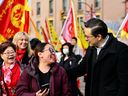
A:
[76,49]
[69,60]
[34,42]
[80,53]
[105,62]
[23,49]
[9,69]
[43,76]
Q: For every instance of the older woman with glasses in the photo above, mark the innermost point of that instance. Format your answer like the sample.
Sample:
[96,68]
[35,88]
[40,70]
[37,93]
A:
[9,69]
[43,76]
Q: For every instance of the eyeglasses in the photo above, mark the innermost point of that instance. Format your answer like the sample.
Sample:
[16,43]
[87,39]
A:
[88,36]
[9,53]
[50,49]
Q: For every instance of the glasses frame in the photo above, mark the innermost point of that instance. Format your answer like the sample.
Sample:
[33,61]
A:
[9,53]
[88,37]
[50,50]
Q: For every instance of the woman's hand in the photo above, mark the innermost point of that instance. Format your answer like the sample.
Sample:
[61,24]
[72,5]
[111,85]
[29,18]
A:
[42,93]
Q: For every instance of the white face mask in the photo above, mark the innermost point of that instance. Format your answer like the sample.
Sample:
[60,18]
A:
[66,51]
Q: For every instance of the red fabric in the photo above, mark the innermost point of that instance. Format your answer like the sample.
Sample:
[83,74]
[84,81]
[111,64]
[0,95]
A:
[126,27]
[27,20]
[10,20]
[20,54]
[44,34]
[68,30]
[7,74]
[47,29]
[78,83]
[14,79]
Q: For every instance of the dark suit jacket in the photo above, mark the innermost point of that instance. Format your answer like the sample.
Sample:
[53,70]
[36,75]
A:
[108,74]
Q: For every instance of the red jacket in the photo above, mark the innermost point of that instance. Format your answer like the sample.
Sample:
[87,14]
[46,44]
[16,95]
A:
[28,84]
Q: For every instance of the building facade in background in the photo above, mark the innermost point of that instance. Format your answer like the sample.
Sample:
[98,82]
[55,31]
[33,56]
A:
[111,11]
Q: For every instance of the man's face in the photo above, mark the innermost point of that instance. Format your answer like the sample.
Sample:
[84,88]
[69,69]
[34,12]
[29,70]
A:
[73,42]
[93,41]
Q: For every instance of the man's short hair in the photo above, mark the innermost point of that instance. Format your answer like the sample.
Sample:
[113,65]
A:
[97,27]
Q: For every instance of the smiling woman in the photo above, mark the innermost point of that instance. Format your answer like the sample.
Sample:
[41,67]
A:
[23,49]
[10,69]
[52,79]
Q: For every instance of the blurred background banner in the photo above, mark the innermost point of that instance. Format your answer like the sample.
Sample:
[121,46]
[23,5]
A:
[14,17]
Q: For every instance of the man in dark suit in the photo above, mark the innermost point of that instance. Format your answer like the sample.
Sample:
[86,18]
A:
[105,62]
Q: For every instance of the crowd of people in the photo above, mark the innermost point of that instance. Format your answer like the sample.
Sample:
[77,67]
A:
[31,67]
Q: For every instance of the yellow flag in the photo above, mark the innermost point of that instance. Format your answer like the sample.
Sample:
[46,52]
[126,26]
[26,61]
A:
[2,39]
[54,37]
[82,37]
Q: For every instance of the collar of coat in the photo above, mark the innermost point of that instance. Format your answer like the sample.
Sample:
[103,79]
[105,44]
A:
[109,48]
[33,67]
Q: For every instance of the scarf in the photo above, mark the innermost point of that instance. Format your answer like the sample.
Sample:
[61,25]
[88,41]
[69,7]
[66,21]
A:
[11,75]
[7,73]
[20,54]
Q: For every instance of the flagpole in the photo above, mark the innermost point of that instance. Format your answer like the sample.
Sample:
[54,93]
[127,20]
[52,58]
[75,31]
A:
[122,25]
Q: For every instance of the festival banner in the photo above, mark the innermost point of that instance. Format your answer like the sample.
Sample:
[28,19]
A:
[11,17]
[68,30]
[54,37]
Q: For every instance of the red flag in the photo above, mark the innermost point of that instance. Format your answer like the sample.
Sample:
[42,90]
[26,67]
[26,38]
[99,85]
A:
[44,34]
[68,30]
[124,31]
[11,15]
[124,28]
[47,29]
[27,21]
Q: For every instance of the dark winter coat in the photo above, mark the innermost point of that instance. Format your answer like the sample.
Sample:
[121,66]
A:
[29,81]
[70,63]
[108,74]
